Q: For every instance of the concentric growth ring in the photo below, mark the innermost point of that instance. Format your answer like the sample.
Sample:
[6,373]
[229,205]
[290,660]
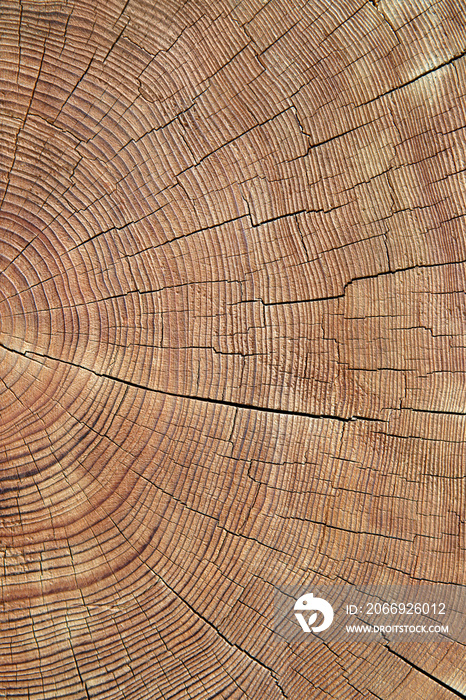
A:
[232,269]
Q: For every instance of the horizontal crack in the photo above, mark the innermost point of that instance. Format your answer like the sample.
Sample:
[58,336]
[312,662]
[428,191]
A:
[361,279]
[429,410]
[204,399]
[427,674]
[381,96]
[451,60]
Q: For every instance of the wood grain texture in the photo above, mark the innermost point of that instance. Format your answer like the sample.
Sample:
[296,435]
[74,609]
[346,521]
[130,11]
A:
[232,340]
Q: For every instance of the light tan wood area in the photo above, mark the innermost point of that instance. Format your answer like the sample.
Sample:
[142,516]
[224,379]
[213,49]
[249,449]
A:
[232,341]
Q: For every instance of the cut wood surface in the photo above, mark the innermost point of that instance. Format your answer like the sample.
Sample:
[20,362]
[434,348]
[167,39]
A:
[232,341]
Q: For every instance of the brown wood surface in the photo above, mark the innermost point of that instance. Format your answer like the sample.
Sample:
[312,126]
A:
[232,308]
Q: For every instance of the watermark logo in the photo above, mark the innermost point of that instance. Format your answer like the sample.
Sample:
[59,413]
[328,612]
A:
[374,612]
[308,603]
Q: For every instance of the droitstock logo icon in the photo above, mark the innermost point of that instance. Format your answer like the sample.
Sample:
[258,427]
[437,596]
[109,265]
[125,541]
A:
[313,605]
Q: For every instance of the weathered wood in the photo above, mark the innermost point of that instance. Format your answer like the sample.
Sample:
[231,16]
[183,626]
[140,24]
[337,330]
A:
[232,340]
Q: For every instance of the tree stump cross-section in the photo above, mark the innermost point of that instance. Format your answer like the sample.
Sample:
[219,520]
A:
[232,345]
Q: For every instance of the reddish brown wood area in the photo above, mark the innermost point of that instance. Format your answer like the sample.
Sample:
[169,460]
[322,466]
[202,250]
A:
[232,341]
